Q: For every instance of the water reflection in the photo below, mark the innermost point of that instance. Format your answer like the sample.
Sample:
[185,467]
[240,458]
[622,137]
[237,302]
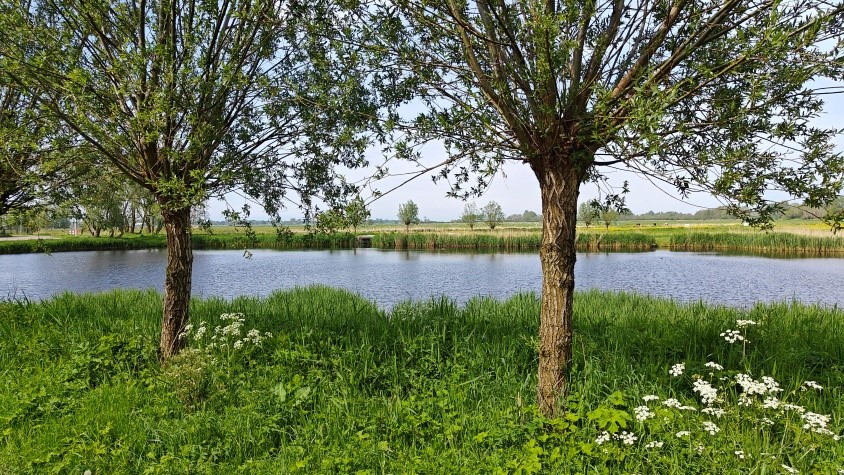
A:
[392,276]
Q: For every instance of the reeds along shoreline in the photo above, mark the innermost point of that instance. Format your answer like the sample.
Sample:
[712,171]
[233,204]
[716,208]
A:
[758,242]
[592,240]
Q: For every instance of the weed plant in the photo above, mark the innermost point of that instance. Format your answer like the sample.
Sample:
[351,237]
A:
[319,380]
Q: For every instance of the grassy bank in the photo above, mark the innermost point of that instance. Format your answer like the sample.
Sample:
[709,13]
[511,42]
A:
[330,384]
[200,241]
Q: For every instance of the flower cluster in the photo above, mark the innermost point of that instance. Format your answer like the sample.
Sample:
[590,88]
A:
[677,369]
[732,336]
[708,394]
[710,427]
[642,413]
[229,333]
[626,438]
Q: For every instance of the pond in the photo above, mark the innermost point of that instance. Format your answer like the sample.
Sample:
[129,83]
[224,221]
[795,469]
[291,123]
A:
[388,277]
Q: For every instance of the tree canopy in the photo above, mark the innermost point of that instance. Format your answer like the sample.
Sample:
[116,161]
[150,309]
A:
[191,99]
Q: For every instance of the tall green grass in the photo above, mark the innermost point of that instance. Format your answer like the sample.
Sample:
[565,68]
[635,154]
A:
[509,242]
[200,241]
[428,387]
[766,242]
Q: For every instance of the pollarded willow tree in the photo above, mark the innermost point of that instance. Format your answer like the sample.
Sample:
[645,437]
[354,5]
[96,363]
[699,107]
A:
[705,95]
[190,99]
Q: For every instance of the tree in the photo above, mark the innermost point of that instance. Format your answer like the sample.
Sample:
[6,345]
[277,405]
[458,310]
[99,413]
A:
[705,95]
[587,213]
[492,214]
[330,220]
[470,214]
[609,216]
[409,214]
[32,163]
[190,99]
[356,213]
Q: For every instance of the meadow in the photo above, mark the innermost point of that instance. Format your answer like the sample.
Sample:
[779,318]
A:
[318,380]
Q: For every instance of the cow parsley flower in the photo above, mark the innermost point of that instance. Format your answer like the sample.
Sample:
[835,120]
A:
[713,411]
[708,394]
[714,366]
[739,454]
[650,397]
[810,385]
[656,444]
[710,427]
[732,336]
[626,438]
[677,369]
[671,402]
[643,413]
[744,323]
[602,438]
[771,403]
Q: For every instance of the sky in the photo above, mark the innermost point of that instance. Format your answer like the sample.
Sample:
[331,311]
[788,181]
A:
[515,188]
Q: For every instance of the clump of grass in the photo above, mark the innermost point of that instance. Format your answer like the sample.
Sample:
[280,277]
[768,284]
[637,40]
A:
[615,241]
[341,386]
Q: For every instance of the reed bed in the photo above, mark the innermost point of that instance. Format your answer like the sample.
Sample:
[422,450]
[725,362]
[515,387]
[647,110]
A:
[335,385]
[757,242]
[616,241]
[200,241]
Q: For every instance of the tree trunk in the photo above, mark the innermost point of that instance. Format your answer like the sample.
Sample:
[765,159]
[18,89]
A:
[559,186]
[177,280]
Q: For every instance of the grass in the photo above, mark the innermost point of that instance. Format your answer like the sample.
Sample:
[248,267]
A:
[343,387]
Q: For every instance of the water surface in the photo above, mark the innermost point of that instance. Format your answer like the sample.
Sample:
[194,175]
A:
[388,277]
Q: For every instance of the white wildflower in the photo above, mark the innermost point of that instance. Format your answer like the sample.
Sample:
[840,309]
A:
[739,454]
[643,413]
[677,369]
[714,366]
[744,323]
[789,469]
[732,336]
[650,397]
[713,411]
[816,422]
[602,438]
[627,438]
[682,433]
[671,402]
[708,394]
[794,407]
[687,408]
[710,427]
[811,385]
[238,344]
[771,385]
[752,387]
[766,421]
[771,403]
[656,444]
[744,401]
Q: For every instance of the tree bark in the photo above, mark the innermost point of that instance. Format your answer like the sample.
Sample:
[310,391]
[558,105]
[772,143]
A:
[559,185]
[177,280]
